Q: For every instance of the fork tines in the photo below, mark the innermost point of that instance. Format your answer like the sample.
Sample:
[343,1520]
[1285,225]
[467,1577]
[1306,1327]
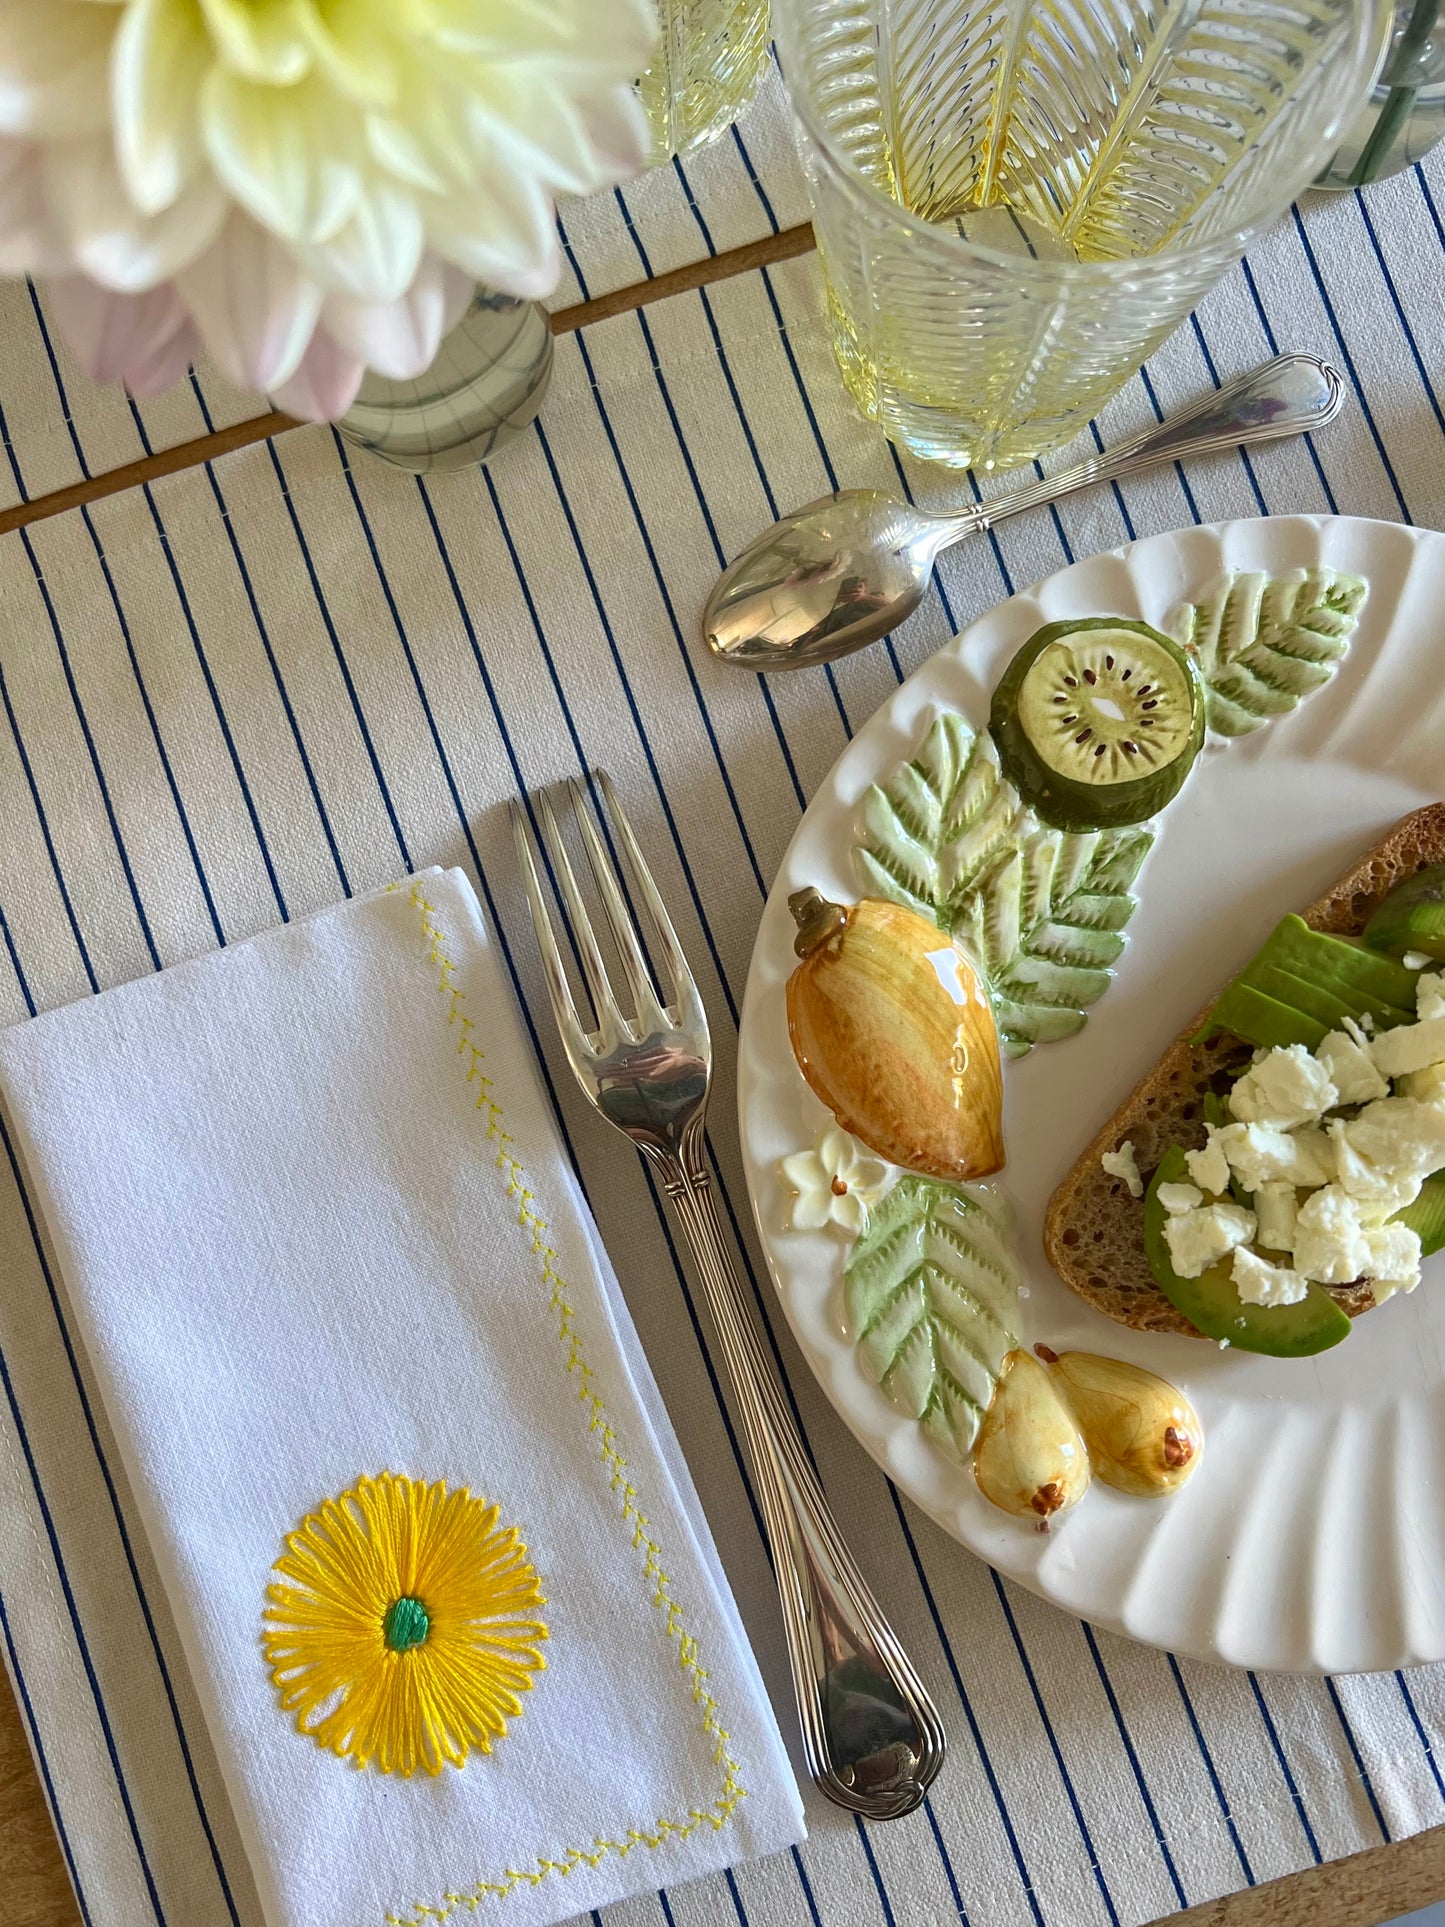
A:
[649,1013]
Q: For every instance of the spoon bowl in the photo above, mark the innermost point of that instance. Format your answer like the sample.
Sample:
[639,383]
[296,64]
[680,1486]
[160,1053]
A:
[830,578]
[848,568]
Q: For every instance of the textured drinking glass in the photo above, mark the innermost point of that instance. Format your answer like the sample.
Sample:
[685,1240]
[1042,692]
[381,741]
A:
[1016,200]
[709,58]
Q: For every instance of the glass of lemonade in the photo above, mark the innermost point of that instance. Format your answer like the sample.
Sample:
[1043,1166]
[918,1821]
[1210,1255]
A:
[710,54]
[1016,200]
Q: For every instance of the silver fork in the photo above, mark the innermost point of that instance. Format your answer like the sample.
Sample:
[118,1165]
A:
[872,1736]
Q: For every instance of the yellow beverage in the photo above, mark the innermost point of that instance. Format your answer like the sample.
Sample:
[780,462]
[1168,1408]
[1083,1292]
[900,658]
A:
[1016,200]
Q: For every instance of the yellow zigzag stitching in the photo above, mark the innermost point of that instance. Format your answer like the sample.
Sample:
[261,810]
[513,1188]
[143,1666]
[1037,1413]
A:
[530,1220]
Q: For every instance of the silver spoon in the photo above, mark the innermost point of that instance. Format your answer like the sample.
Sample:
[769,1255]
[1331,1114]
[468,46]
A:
[848,568]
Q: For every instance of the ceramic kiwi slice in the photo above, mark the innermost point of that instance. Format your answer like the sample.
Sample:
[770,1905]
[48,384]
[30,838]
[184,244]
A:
[1098,722]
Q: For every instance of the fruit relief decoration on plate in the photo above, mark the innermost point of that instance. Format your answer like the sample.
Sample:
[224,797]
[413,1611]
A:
[1264,643]
[1025,841]
[1042,910]
[893,1031]
[932,1300]
[931,1295]
[998,867]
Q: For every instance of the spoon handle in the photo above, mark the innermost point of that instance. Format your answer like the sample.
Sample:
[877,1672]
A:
[1284,396]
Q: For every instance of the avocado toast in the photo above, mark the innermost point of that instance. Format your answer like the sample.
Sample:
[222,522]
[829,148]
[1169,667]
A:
[1094,1228]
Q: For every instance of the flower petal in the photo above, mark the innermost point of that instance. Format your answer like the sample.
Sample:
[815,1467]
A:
[376,256]
[255,308]
[851,1212]
[619,134]
[353,48]
[804,1171]
[399,339]
[261,40]
[324,385]
[54,61]
[167,363]
[811,1211]
[108,238]
[30,241]
[505,235]
[161,57]
[458,288]
[564,30]
[114,336]
[835,1151]
[289,156]
[869,1178]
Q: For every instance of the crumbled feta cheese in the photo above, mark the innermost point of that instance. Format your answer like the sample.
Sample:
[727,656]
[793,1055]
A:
[1329,1241]
[1428,1085]
[1377,1211]
[1177,1198]
[1276,1207]
[1265,1154]
[1260,1283]
[1366,1182]
[1351,1069]
[1287,1087]
[1367,1022]
[1416,959]
[1200,1238]
[1209,1168]
[1400,1136]
[1123,1164]
[1409,1047]
[1394,1260]
[1430,994]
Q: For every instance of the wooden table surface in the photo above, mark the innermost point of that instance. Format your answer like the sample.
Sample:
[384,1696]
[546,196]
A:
[1363,1891]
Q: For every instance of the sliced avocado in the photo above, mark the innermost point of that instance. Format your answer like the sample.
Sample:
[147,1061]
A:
[1303,983]
[1214,1307]
[1325,999]
[1260,1020]
[1412,916]
[1427,1215]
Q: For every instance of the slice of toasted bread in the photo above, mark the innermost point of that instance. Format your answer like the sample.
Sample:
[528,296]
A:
[1094,1230]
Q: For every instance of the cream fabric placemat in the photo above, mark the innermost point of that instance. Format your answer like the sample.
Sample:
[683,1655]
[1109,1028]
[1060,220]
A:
[241,694]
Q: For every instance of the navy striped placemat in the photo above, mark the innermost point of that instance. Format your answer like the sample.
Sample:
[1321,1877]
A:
[740,188]
[242,692]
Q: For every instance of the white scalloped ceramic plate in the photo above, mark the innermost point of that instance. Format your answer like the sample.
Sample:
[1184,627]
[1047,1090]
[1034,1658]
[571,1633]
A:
[1313,1534]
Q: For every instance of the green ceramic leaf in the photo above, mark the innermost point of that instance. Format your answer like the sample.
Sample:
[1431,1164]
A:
[1042,911]
[1264,643]
[932,1296]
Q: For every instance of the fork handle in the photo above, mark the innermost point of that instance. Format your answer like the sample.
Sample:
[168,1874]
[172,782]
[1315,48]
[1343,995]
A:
[871,1734]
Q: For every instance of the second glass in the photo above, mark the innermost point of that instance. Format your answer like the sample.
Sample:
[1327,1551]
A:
[710,54]
[1016,200]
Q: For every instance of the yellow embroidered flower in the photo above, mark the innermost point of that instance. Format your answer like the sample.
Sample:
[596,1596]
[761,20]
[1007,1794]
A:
[398,1638]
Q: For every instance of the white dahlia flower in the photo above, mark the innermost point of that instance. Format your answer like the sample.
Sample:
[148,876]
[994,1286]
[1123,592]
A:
[307,188]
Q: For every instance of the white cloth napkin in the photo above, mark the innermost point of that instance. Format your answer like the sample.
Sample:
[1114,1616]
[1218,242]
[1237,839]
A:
[315,1222]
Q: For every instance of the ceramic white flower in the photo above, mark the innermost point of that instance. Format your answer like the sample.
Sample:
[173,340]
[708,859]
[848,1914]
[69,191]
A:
[835,1183]
[309,187]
